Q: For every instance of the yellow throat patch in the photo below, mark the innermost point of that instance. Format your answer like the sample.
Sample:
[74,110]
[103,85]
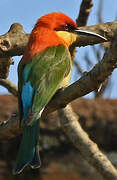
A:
[68,37]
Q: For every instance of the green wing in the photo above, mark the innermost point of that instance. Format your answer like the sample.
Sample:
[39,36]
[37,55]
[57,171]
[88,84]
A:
[45,73]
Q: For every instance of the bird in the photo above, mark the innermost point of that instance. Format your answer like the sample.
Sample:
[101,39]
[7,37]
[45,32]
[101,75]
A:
[44,68]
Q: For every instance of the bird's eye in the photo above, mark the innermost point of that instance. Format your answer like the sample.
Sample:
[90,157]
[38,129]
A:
[66,27]
[69,27]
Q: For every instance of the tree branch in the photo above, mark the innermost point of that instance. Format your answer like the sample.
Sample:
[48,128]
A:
[85,9]
[88,149]
[13,43]
[12,88]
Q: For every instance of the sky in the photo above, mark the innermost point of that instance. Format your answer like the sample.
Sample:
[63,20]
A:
[27,12]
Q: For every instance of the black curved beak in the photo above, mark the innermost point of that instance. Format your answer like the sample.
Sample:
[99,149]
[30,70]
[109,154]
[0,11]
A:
[88,33]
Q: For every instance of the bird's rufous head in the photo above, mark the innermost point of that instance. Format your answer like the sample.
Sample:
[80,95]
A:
[57,21]
[52,30]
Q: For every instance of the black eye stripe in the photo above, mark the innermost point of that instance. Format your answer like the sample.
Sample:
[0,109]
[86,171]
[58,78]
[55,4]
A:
[67,27]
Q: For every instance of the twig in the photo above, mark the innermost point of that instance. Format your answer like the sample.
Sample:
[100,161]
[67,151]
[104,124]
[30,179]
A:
[12,88]
[99,14]
[88,148]
[85,10]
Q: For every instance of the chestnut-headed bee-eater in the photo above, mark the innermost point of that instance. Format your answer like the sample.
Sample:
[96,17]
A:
[43,69]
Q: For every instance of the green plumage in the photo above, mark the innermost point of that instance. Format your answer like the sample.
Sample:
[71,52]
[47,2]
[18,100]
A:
[43,75]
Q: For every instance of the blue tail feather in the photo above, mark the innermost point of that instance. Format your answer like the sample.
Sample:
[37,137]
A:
[29,148]
[35,163]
